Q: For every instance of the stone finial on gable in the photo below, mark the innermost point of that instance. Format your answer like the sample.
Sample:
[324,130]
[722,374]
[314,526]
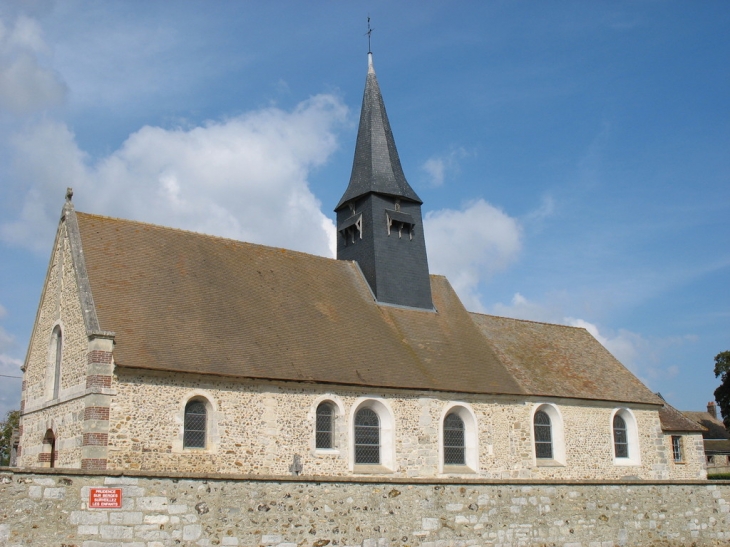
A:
[69,194]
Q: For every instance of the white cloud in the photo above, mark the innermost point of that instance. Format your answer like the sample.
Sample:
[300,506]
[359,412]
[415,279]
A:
[438,167]
[522,308]
[25,84]
[244,178]
[470,245]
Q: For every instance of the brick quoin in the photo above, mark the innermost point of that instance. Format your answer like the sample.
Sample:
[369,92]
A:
[93,463]
[44,457]
[22,386]
[96,413]
[95,439]
[98,356]
[98,380]
[22,406]
[19,452]
[20,429]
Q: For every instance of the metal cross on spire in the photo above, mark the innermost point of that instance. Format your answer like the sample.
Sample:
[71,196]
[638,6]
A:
[369,33]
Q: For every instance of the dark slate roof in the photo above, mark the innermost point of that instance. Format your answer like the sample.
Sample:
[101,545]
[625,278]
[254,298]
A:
[673,420]
[376,167]
[549,359]
[715,429]
[182,301]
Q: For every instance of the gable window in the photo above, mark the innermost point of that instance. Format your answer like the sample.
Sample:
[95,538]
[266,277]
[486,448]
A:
[367,437]
[620,437]
[543,435]
[325,426]
[454,447]
[57,349]
[195,424]
[677,449]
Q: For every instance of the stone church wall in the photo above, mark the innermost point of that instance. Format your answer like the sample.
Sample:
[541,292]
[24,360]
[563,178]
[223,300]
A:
[259,428]
[60,306]
[52,509]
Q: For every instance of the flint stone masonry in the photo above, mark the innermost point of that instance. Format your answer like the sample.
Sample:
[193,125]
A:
[163,510]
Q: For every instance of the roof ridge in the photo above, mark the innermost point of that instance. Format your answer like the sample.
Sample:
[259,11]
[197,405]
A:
[203,234]
[528,321]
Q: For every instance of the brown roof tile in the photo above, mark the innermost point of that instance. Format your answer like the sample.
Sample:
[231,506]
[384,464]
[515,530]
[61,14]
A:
[715,429]
[673,420]
[561,361]
[188,302]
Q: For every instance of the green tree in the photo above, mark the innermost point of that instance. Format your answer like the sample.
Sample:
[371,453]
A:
[6,435]
[722,393]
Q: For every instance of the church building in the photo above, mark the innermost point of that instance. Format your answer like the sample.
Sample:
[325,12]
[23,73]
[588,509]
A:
[164,350]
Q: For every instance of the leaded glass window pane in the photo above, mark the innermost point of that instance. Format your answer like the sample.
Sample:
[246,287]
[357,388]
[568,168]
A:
[677,448]
[367,437]
[195,420]
[543,436]
[453,440]
[325,426]
[620,437]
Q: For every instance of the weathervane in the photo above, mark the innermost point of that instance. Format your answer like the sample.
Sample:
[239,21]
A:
[368,33]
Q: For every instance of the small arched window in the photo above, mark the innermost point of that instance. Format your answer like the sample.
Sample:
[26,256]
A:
[367,437]
[48,456]
[543,435]
[620,437]
[325,427]
[57,348]
[454,446]
[195,424]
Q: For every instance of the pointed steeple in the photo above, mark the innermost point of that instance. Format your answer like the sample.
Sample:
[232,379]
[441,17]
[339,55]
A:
[379,223]
[376,167]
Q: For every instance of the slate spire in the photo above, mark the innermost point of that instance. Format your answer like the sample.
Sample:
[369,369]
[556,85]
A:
[379,220]
[376,167]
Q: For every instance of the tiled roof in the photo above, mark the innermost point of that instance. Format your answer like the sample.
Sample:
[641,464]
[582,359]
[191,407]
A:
[182,301]
[558,360]
[673,420]
[715,429]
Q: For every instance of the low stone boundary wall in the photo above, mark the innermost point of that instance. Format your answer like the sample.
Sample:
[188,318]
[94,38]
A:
[50,508]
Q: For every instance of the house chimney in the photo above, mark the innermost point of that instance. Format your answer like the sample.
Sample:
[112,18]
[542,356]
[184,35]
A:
[712,409]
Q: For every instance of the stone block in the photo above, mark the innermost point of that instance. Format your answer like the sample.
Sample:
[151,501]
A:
[271,539]
[108,531]
[430,524]
[191,532]
[176,509]
[54,493]
[155,503]
[44,481]
[35,492]
[113,481]
[88,530]
[88,517]
[227,540]
[156,519]
[127,518]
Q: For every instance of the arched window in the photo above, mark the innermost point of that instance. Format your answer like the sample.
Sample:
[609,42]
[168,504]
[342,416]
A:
[543,435]
[57,348]
[195,424]
[325,427]
[454,446]
[367,437]
[620,437]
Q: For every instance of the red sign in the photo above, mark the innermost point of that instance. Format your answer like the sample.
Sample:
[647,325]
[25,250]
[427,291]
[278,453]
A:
[105,498]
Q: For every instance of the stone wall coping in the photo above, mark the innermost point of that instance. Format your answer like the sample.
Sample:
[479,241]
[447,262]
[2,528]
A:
[132,473]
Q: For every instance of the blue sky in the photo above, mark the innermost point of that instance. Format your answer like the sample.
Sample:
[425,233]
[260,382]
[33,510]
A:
[573,157]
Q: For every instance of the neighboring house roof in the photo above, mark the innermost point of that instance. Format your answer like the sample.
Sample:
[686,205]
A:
[673,420]
[716,446]
[182,301]
[715,429]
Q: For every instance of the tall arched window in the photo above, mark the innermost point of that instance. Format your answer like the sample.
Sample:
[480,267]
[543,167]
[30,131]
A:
[57,348]
[325,428]
[454,446]
[367,437]
[620,437]
[195,424]
[543,436]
